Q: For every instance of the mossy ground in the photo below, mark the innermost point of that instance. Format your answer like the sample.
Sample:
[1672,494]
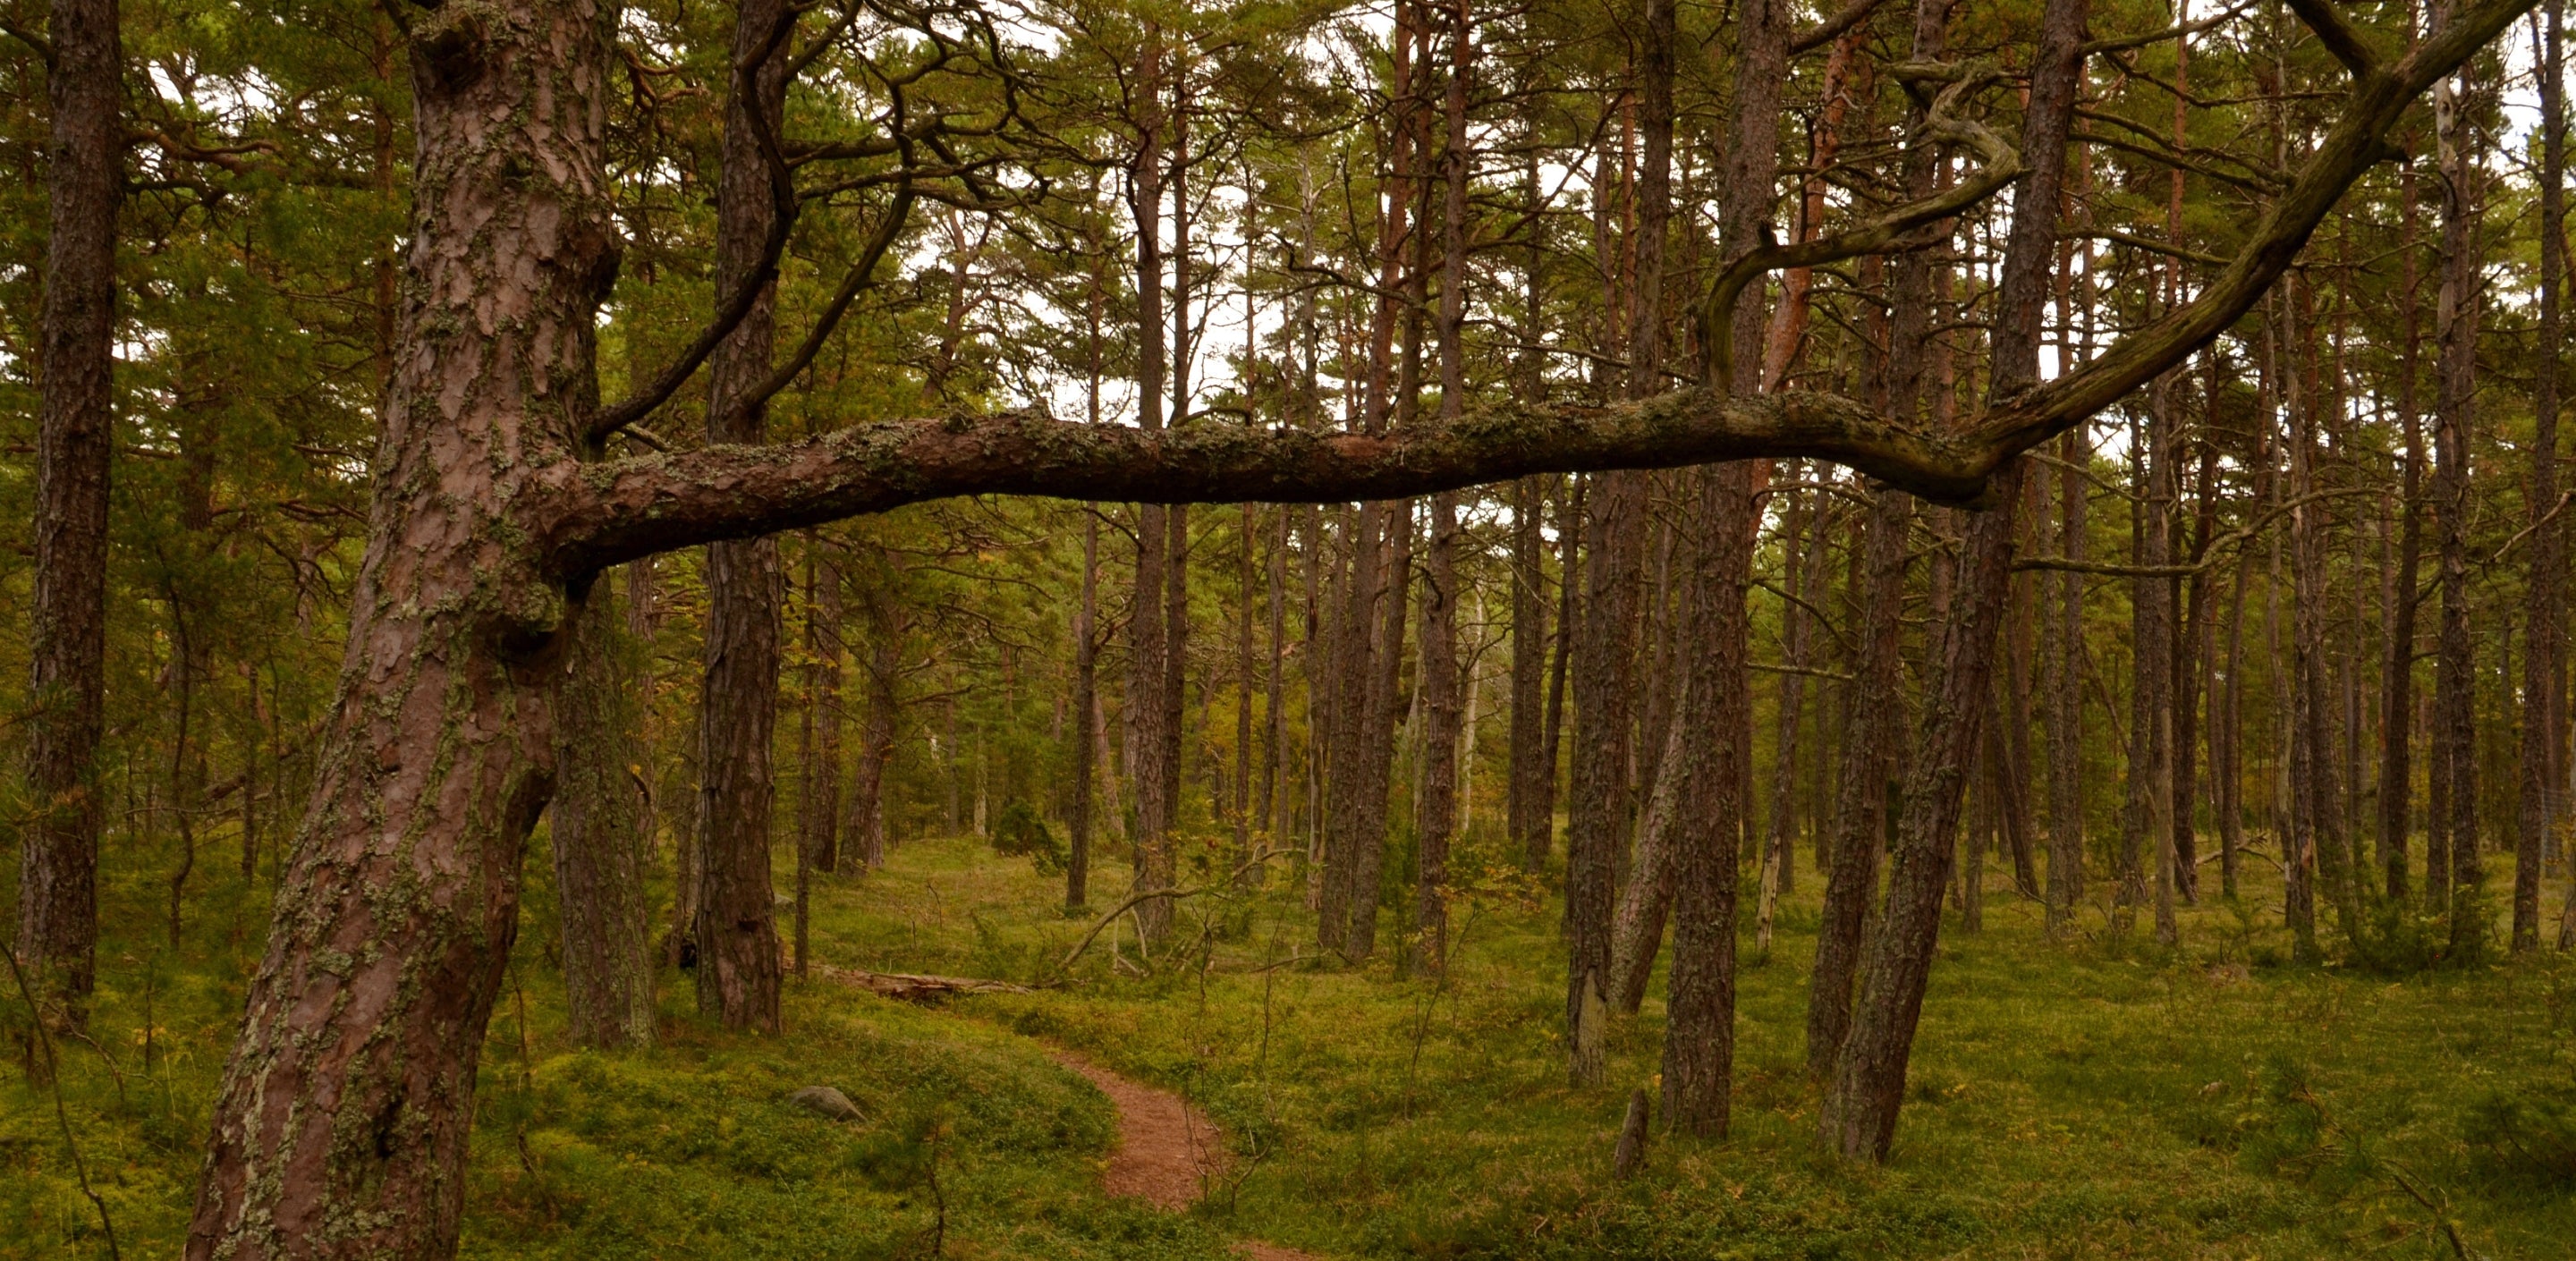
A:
[2103,1098]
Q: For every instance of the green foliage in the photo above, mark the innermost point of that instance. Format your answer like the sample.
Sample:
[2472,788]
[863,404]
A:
[1019,832]
[2526,1140]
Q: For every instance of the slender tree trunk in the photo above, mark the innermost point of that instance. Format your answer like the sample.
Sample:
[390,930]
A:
[736,930]
[67,635]
[1851,883]
[2541,749]
[1530,830]
[1437,807]
[2397,710]
[1858,1116]
[1148,625]
[883,676]
[822,805]
[1086,699]
[1605,668]
[2454,725]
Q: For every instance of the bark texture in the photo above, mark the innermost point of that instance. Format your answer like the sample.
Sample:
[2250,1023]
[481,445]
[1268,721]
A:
[736,929]
[340,1128]
[57,933]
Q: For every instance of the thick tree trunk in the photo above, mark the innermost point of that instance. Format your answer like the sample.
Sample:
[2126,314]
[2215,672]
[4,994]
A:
[736,932]
[340,1128]
[1603,679]
[1699,1041]
[1715,796]
[67,634]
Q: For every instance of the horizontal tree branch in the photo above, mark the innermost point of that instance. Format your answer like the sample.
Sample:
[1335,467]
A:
[588,516]
[580,517]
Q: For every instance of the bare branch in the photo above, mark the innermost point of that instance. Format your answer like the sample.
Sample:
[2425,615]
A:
[588,516]
[2338,36]
[1885,234]
[1823,33]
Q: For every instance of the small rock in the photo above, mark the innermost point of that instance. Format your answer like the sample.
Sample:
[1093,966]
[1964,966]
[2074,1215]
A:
[826,1102]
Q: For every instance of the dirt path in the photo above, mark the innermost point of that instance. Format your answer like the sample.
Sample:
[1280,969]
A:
[1167,1151]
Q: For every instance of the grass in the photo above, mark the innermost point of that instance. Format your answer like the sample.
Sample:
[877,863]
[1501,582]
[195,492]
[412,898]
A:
[2098,1099]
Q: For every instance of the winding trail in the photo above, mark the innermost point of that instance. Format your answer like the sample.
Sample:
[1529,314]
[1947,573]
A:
[1168,1152]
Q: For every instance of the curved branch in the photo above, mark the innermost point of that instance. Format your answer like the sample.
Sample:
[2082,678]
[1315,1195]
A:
[1882,235]
[737,305]
[2357,141]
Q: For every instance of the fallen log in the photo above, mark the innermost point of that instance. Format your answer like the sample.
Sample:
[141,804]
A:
[913,987]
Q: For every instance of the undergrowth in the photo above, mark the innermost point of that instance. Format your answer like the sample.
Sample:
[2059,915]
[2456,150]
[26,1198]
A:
[2101,1098]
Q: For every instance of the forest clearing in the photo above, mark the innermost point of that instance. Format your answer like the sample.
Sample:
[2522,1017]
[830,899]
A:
[1285,628]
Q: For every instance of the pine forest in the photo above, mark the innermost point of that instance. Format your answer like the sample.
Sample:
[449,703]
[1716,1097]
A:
[1189,629]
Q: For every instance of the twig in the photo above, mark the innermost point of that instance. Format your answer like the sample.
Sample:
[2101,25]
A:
[1143,896]
[62,1115]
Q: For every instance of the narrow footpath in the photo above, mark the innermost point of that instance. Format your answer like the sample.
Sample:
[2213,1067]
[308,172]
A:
[1168,1152]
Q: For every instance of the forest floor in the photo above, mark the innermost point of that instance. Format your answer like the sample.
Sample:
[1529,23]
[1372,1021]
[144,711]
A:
[2101,1098]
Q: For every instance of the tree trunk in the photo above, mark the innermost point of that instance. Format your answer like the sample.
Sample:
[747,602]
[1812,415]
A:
[1860,807]
[1529,829]
[736,930]
[820,809]
[1148,625]
[2397,710]
[1699,1036]
[67,634]
[2454,680]
[1436,813]
[340,1129]
[598,830]
[2542,754]
[883,675]
[1858,1117]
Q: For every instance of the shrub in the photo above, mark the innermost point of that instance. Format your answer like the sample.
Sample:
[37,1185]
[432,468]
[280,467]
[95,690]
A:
[1020,832]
